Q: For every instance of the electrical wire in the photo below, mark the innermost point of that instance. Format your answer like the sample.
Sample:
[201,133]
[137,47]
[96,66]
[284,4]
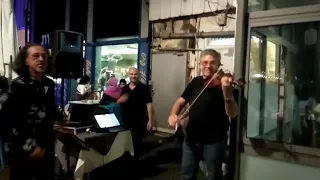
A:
[228,7]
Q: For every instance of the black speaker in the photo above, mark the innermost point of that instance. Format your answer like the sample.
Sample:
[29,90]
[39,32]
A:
[67,55]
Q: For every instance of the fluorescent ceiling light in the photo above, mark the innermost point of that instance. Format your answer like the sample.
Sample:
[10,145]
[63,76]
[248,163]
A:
[119,49]
[221,41]
[257,76]
[255,39]
[133,46]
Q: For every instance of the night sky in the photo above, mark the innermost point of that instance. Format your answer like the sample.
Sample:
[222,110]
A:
[112,18]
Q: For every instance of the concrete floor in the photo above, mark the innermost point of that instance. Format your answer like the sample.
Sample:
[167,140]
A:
[4,174]
[164,160]
[160,161]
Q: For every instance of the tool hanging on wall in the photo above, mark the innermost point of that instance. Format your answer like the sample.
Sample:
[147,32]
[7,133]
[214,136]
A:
[28,22]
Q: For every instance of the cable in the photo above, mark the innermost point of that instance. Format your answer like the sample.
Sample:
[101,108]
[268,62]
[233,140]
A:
[228,7]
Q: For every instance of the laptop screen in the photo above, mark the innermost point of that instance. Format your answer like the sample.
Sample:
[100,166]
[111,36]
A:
[107,120]
[82,114]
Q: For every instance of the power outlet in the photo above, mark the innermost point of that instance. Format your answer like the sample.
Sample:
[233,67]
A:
[222,19]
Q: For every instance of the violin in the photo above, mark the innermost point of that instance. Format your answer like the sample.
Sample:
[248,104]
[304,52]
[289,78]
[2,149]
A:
[214,81]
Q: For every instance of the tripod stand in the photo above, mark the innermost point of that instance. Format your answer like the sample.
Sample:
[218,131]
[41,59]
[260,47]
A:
[70,141]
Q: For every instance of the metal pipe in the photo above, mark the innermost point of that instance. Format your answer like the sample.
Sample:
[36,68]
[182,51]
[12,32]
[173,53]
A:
[90,22]
[220,34]
[67,15]
[231,10]
[241,42]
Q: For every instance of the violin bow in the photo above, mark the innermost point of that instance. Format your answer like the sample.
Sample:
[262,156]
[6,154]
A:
[215,75]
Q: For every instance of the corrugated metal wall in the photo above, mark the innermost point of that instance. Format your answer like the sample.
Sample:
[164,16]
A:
[164,9]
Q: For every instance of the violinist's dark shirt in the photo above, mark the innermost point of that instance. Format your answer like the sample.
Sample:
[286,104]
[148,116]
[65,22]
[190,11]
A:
[208,121]
[27,116]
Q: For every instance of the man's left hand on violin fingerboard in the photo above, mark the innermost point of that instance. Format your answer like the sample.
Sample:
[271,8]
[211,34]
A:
[226,81]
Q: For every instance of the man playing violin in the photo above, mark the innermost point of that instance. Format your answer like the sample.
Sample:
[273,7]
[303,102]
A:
[206,133]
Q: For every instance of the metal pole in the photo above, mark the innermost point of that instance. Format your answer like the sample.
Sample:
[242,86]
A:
[221,34]
[67,27]
[67,17]
[89,37]
[239,72]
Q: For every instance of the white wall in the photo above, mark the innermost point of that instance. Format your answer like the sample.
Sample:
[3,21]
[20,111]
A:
[164,9]
[259,168]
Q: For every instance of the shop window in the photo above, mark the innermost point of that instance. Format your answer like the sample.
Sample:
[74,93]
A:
[262,5]
[114,61]
[263,83]
[283,99]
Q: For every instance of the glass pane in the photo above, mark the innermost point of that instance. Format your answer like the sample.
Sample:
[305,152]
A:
[114,61]
[254,90]
[284,84]
[263,85]
[261,5]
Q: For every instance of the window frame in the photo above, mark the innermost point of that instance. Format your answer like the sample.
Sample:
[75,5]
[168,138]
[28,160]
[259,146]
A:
[272,149]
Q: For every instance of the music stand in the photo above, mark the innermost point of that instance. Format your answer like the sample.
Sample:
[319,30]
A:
[70,141]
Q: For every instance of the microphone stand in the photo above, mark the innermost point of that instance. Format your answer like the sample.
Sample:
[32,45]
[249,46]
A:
[68,150]
[69,173]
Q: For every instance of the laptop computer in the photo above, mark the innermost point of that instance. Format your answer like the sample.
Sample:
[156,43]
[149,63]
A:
[82,115]
[108,123]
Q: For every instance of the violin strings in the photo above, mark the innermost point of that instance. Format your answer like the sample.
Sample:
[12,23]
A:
[187,110]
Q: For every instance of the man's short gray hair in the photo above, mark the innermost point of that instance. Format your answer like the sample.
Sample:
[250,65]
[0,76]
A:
[215,54]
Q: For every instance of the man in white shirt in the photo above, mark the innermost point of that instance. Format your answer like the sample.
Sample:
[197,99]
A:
[83,88]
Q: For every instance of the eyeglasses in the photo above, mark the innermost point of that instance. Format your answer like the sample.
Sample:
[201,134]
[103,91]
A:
[36,56]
